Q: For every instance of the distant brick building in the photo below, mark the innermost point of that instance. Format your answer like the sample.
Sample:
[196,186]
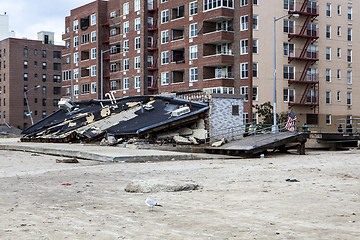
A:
[219,46]
[29,66]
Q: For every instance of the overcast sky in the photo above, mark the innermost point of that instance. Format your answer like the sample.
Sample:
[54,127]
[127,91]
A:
[28,17]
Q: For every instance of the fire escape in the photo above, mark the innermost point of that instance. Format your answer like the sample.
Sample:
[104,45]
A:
[307,82]
[152,48]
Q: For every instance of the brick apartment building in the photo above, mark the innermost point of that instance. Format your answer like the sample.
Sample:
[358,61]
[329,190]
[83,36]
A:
[222,46]
[32,66]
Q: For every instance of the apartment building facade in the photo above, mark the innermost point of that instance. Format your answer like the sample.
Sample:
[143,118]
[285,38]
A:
[220,46]
[32,69]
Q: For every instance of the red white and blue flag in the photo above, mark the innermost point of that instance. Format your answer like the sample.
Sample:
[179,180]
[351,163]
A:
[290,124]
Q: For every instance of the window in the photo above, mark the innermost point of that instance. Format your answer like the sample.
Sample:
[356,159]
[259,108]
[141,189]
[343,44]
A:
[44,90]
[76,74]
[93,70]
[328,97]
[126,83]
[165,57]
[339,31]
[126,27]
[113,67]
[93,19]
[244,3]
[338,96]
[126,64]
[212,4]
[289,26]
[76,41]
[255,69]
[44,77]
[164,78]
[177,12]
[328,53]
[137,24]
[289,72]
[349,35]
[244,91]
[339,9]
[255,22]
[113,85]
[137,82]
[137,62]
[126,8]
[349,13]
[348,98]
[245,118]
[76,90]
[255,45]
[289,49]
[57,66]
[137,5]
[44,65]
[349,55]
[57,78]
[193,30]
[289,5]
[244,46]
[328,10]
[193,52]
[255,93]
[224,49]
[328,119]
[349,77]
[244,23]
[76,25]
[165,36]
[93,36]
[85,88]
[113,14]
[57,54]
[25,64]
[193,74]
[93,53]
[126,46]
[338,74]
[25,77]
[339,53]
[57,90]
[328,31]
[165,16]
[113,32]
[66,75]
[137,43]
[193,8]
[235,110]
[244,70]
[44,112]
[44,53]
[328,75]
[76,57]
[289,95]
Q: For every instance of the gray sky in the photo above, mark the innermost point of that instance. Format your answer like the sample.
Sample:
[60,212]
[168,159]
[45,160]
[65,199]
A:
[28,17]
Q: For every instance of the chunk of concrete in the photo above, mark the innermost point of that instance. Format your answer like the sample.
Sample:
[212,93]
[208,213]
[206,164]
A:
[160,186]
[167,135]
[185,131]
[194,141]
[199,134]
[218,143]
[181,140]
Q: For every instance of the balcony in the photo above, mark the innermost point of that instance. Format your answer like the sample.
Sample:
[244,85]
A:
[177,34]
[310,78]
[178,56]
[218,37]
[218,60]
[219,14]
[220,75]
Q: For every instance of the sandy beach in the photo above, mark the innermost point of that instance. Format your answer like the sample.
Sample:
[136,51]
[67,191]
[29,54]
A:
[238,199]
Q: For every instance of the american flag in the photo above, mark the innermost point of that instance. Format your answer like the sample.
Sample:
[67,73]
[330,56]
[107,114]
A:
[290,124]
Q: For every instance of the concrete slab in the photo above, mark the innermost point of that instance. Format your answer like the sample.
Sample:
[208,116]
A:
[102,153]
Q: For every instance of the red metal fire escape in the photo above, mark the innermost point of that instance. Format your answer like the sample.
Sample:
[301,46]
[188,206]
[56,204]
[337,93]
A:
[307,54]
[152,48]
[106,57]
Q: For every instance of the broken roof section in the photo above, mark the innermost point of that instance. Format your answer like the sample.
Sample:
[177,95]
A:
[127,117]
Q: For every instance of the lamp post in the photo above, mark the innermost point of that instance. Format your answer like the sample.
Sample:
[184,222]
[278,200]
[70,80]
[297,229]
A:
[275,126]
[27,102]
[102,70]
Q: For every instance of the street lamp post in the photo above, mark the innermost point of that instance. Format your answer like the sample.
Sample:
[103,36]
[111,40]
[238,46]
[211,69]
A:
[275,126]
[27,102]
[102,70]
